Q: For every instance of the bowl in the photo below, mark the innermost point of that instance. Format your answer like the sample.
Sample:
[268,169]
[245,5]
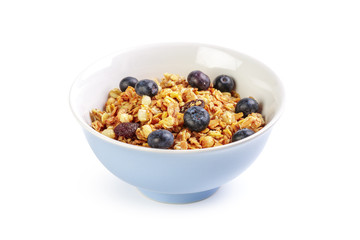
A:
[176,176]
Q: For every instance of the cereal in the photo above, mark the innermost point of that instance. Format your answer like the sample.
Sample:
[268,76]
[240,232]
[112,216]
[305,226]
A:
[130,118]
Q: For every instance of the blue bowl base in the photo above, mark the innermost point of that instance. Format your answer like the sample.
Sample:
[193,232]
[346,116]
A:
[178,198]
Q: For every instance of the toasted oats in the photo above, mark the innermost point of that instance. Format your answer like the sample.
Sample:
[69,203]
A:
[97,125]
[114,93]
[167,122]
[228,117]
[109,108]
[227,132]
[215,134]
[207,141]
[194,143]
[166,110]
[95,114]
[253,121]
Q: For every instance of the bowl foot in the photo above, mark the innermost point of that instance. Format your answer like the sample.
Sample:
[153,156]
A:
[178,198]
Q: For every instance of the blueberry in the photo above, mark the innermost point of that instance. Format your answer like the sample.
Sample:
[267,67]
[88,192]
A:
[146,87]
[199,80]
[160,139]
[126,82]
[224,83]
[241,134]
[247,106]
[196,118]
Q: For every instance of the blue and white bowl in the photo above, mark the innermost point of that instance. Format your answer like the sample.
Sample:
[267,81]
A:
[176,176]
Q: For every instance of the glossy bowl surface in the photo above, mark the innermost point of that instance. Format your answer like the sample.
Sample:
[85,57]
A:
[176,176]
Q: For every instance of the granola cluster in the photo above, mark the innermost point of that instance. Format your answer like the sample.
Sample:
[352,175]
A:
[166,110]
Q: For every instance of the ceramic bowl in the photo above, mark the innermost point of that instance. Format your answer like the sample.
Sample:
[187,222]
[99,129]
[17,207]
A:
[176,176]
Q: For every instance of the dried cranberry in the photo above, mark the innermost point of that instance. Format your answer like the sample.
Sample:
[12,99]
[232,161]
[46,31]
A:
[197,102]
[126,129]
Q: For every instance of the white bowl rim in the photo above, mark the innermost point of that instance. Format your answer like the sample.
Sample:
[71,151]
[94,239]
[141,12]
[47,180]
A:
[88,128]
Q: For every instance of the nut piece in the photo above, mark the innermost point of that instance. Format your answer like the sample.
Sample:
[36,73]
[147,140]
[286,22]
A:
[124,117]
[142,115]
[146,100]
[146,130]
[109,132]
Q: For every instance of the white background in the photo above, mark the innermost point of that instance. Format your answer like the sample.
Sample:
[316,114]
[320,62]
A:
[304,185]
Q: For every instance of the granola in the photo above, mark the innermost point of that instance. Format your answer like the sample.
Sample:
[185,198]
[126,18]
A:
[166,110]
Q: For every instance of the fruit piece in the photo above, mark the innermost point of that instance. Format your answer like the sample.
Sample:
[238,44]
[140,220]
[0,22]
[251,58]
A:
[126,129]
[241,134]
[247,106]
[160,139]
[196,118]
[224,83]
[146,87]
[199,80]
[197,102]
[126,82]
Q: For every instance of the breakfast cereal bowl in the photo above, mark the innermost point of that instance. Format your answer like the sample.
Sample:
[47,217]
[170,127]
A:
[167,175]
